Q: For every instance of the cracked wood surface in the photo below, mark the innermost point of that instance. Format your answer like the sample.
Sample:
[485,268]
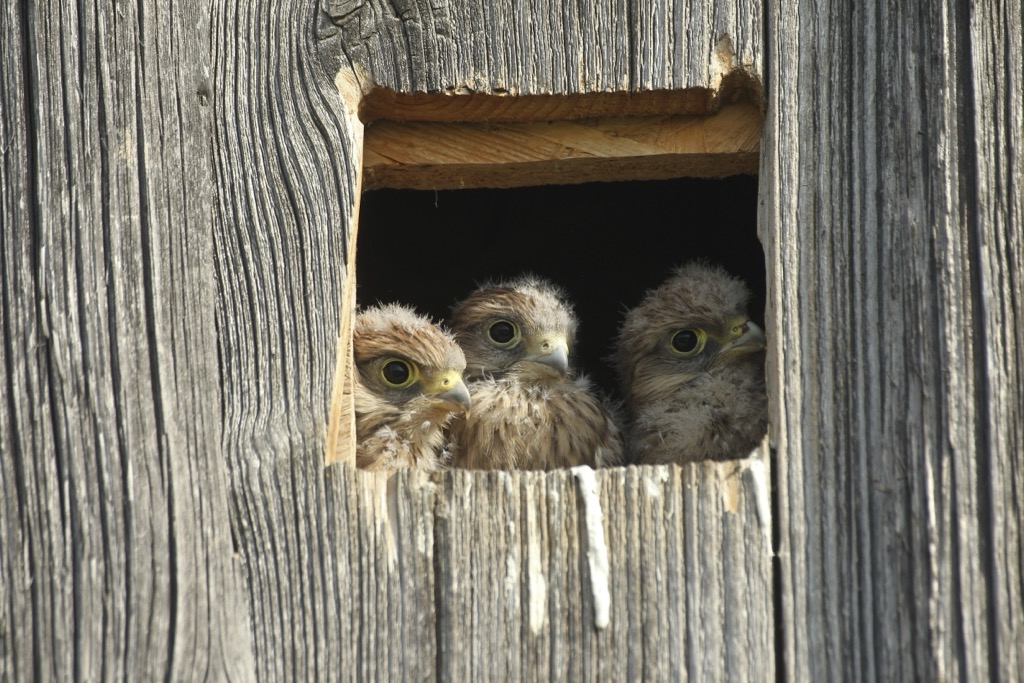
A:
[179,189]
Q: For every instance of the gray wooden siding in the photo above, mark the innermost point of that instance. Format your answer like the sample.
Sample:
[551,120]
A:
[892,223]
[177,184]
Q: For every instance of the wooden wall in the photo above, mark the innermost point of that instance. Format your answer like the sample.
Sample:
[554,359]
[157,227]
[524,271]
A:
[893,230]
[179,183]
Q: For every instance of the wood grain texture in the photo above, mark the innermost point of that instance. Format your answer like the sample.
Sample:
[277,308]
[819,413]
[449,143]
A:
[180,184]
[888,210]
[285,165]
[537,47]
[115,549]
[484,576]
[418,155]
[997,198]
[336,590]
[458,107]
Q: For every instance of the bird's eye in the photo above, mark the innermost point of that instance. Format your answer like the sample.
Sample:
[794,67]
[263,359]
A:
[503,333]
[398,373]
[688,342]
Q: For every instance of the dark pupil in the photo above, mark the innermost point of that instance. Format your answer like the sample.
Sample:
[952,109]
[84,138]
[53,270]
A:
[684,341]
[502,332]
[396,372]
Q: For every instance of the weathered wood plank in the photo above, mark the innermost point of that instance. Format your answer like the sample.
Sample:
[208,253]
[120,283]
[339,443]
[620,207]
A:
[997,81]
[541,47]
[115,549]
[287,158]
[414,155]
[285,162]
[898,430]
[183,317]
[485,576]
[27,548]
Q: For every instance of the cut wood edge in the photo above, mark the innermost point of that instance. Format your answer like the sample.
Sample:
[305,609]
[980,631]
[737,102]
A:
[340,444]
[464,140]
[732,85]
[430,155]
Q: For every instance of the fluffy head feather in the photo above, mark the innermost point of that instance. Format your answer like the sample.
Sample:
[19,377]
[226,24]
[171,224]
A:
[691,367]
[529,409]
[542,322]
[408,386]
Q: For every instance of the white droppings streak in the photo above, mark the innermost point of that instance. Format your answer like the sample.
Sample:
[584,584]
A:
[597,549]
[388,486]
[538,587]
[761,501]
[511,575]
[653,484]
[512,559]
[723,60]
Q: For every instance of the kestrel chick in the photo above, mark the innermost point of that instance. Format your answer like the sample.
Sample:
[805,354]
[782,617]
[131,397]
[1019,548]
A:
[530,411]
[691,367]
[408,386]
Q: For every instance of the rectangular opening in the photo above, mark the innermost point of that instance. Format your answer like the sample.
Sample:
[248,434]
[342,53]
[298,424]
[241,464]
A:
[604,206]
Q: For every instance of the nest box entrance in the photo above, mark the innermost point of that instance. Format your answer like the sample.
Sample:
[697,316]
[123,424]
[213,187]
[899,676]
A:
[604,206]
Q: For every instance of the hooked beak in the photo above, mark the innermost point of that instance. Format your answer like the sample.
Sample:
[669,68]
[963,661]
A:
[552,352]
[750,340]
[451,389]
[458,395]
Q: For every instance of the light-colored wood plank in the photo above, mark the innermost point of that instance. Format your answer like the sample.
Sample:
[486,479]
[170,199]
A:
[420,155]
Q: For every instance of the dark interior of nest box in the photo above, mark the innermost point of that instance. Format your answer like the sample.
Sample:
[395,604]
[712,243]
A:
[604,243]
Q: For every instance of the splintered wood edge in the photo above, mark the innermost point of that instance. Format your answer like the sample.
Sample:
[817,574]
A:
[340,442]
[437,155]
[734,84]
[341,428]
[456,107]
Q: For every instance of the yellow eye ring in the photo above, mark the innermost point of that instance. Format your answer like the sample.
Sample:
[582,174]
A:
[503,333]
[398,373]
[688,342]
